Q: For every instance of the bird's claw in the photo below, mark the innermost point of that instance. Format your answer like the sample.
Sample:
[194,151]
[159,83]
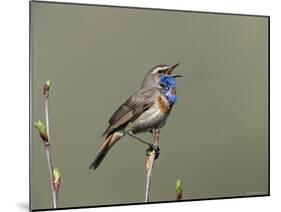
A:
[156,150]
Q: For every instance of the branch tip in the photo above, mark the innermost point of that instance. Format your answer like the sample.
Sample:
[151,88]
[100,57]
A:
[179,189]
[46,87]
[56,179]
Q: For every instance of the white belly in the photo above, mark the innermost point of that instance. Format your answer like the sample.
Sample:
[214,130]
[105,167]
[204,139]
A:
[152,118]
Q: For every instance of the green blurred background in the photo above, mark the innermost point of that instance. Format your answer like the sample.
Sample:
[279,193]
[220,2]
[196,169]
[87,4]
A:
[216,139]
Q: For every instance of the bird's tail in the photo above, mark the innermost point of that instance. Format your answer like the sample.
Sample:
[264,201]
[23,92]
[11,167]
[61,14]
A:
[109,142]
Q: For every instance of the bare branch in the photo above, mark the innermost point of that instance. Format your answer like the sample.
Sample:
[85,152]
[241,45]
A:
[44,132]
[46,89]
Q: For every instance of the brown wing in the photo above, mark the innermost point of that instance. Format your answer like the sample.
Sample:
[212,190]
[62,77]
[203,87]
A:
[131,109]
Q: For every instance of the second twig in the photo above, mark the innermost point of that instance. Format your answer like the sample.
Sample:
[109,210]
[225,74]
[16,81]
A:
[47,144]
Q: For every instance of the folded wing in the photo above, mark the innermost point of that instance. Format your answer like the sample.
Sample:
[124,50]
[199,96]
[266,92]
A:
[131,109]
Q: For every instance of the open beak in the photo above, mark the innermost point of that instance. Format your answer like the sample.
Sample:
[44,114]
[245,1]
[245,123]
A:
[170,70]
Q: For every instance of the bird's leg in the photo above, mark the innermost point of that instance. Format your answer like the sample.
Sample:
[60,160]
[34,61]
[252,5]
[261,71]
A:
[140,139]
[152,146]
[156,133]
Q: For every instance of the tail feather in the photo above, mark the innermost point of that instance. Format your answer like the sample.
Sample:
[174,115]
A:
[99,158]
[109,142]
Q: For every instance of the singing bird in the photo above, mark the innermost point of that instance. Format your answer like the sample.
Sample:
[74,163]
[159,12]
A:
[144,111]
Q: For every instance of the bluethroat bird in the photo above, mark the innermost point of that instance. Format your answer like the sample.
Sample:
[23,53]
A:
[144,111]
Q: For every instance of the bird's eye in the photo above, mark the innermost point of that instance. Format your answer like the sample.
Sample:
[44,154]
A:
[160,71]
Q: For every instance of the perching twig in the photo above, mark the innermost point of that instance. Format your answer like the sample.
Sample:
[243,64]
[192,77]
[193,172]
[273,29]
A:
[54,174]
[150,160]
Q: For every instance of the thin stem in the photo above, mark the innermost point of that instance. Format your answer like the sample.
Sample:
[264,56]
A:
[150,164]
[48,150]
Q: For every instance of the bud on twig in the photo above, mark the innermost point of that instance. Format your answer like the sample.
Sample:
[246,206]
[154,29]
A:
[46,88]
[148,158]
[42,130]
[56,179]
[179,189]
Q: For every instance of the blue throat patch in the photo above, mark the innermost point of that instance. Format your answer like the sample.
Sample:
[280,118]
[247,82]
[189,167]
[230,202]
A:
[169,84]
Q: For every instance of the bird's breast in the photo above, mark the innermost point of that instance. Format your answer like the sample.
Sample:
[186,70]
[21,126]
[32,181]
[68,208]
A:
[163,104]
[154,117]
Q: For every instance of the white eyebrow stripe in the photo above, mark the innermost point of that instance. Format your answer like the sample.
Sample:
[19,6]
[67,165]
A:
[160,68]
